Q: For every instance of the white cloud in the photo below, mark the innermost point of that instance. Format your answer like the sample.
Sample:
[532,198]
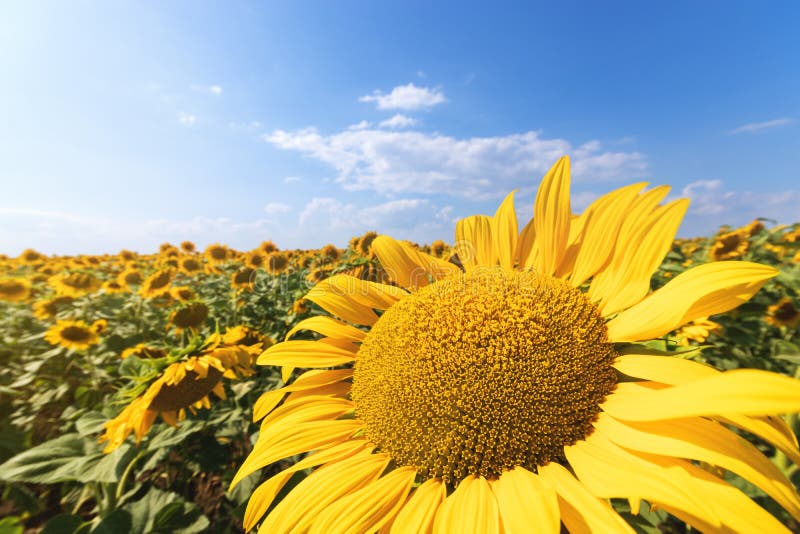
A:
[398,121]
[363,125]
[215,90]
[290,179]
[187,119]
[406,97]
[391,162]
[707,196]
[758,126]
[276,208]
[341,215]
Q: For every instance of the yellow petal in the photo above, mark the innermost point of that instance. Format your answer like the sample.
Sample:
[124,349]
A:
[580,510]
[329,327]
[524,500]
[609,471]
[472,508]
[407,266]
[419,513]
[603,219]
[368,509]
[307,381]
[699,292]
[525,249]
[705,441]
[326,485]
[632,281]
[665,369]
[778,437]
[504,232]
[551,217]
[305,354]
[741,391]
[305,437]
[474,242]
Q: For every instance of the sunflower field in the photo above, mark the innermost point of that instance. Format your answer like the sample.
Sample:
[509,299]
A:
[134,388]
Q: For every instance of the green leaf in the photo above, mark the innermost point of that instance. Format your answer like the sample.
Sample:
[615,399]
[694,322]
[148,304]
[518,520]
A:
[11,525]
[163,512]
[63,524]
[171,436]
[116,522]
[90,423]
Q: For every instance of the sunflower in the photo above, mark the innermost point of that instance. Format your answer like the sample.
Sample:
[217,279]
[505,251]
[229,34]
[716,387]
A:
[130,277]
[243,278]
[127,255]
[75,284]
[217,253]
[277,262]
[511,395]
[157,284]
[254,259]
[783,313]
[182,385]
[182,293]
[47,309]
[144,351]
[190,265]
[753,228]
[187,246]
[730,245]
[267,247]
[76,335]
[30,256]
[439,248]
[113,286]
[244,335]
[14,289]
[189,316]
[698,331]
[330,253]
[363,244]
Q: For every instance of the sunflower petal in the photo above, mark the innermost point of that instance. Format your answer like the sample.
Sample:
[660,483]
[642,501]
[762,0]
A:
[705,290]
[408,267]
[524,499]
[580,510]
[305,354]
[504,232]
[665,369]
[474,242]
[552,217]
[329,327]
[741,391]
[419,513]
[368,509]
[525,249]
[472,508]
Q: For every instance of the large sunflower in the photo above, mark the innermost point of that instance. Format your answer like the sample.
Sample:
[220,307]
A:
[76,335]
[511,395]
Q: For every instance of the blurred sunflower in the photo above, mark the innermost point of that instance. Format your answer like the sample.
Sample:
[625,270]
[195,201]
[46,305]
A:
[189,316]
[75,335]
[127,255]
[47,309]
[30,256]
[277,262]
[14,289]
[268,247]
[144,351]
[183,385]
[190,265]
[157,284]
[255,259]
[511,396]
[182,293]
[217,253]
[130,277]
[783,313]
[364,244]
[730,245]
[113,286]
[753,228]
[187,246]
[330,253]
[698,330]
[243,278]
[75,284]
[244,335]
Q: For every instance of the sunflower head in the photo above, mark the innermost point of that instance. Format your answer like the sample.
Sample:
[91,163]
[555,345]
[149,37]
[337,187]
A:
[190,265]
[30,256]
[217,253]
[75,284]
[268,247]
[189,316]
[244,335]
[157,284]
[255,259]
[144,351]
[182,293]
[330,253]
[364,244]
[783,313]
[127,256]
[730,245]
[14,289]
[113,286]
[130,277]
[49,308]
[243,278]
[75,335]
[187,246]
[276,263]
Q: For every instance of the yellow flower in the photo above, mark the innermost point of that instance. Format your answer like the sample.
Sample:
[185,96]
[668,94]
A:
[75,284]
[729,246]
[99,326]
[330,252]
[144,351]
[754,228]
[277,262]
[698,330]
[267,247]
[217,253]
[130,277]
[113,286]
[487,399]
[47,309]
[783,313]
[30,256]
[182,293]
[187,246]
[244,335]
[14,289]
[255,259]
[76,335]
[244,278]
[157,284]
[190,265]
[189,316]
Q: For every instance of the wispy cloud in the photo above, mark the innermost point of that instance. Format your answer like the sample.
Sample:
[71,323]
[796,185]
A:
[758,126]
[290,179]
[392,162]
[214,89]
[187,119]
[407,97]
[276,208]
[398,121]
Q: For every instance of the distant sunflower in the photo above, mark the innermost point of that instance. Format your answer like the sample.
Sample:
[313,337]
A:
[30,256]
[144,351]
[188,246]
[753,228]
[511,395]
[182,293]
[268,247]
[255,259]
[75,284]
[49,308]
[127,255]
[783,313]
[439,248]
[190,265]
[182,386]
[217,253]
[189,316]
[130,277]
[14,289]
[244,335]
[364,244]
[76,335]
[277,262]
[157,284]
[243,278]
[730,246]
[330,252]
[698,331]
[113,286]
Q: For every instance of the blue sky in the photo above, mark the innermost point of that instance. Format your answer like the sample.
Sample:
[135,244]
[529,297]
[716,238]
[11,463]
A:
[127,124]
